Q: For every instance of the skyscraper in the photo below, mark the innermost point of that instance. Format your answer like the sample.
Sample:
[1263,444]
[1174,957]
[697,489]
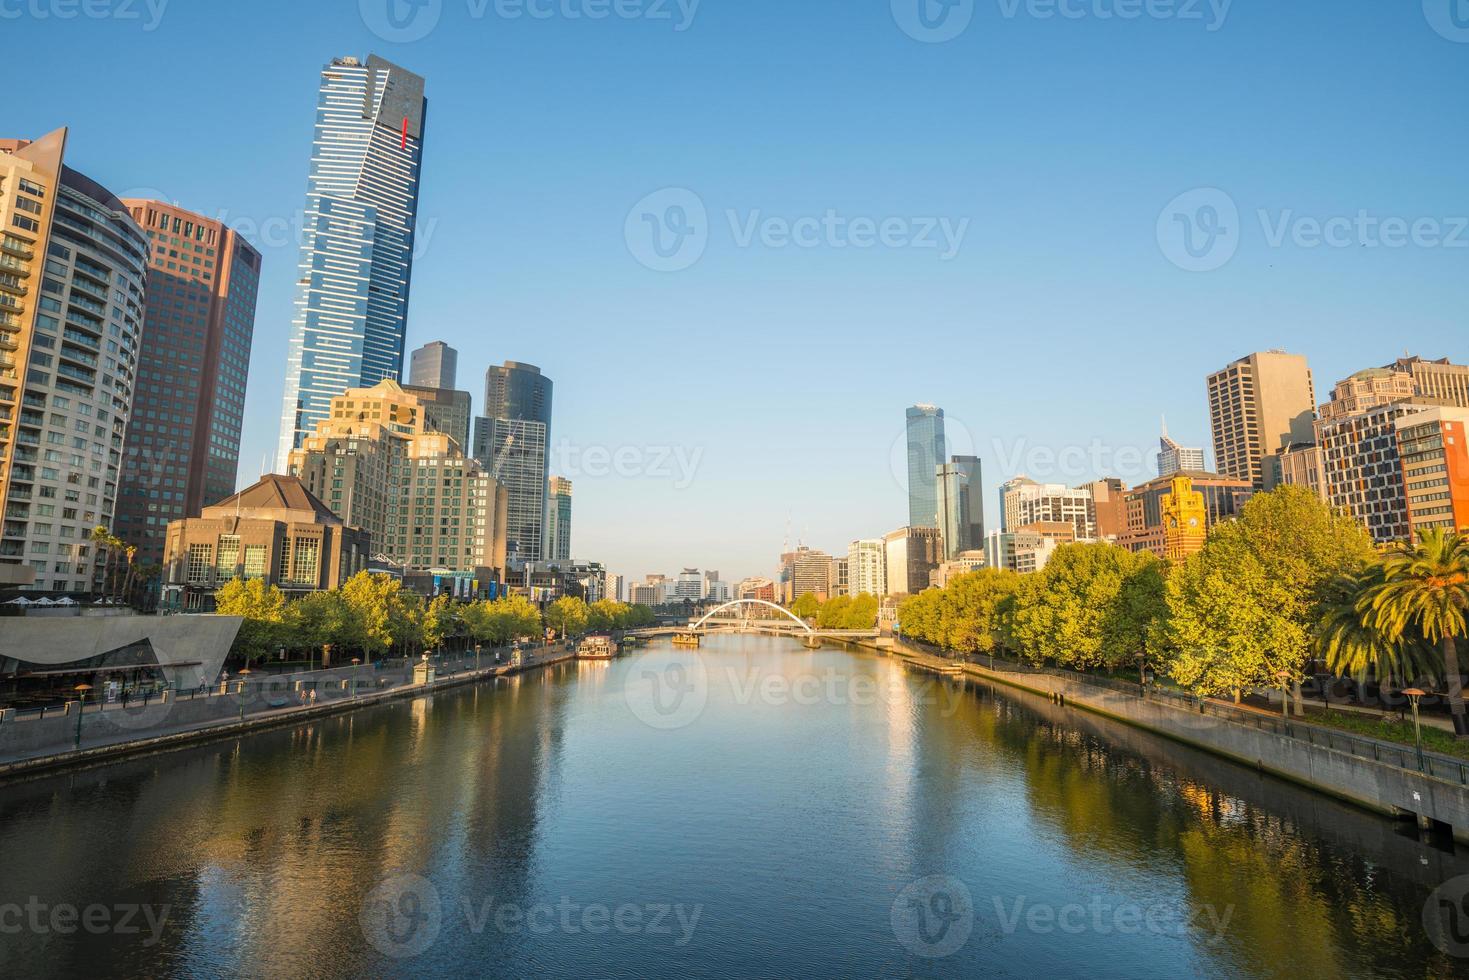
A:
[357,240]
[512,441]
[1259,406]
[960,505]
[73,267]
[183,443]
[1175,458]
[558,518]
[926,452]
[434,365]
[867,569]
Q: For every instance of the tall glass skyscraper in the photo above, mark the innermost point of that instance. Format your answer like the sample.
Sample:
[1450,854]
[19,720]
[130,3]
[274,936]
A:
[512,441]
[960,505]
[357,240]
[925,454]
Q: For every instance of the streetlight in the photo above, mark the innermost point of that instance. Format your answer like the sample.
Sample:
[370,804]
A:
[476,658]
[1413,694]
[244,676]
[355,662]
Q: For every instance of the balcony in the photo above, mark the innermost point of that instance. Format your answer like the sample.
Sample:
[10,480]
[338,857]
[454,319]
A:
[16,247]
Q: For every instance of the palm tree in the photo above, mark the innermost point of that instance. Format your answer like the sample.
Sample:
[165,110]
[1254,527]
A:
[1424,593]
[131,552]
[1349,642]
[101,538]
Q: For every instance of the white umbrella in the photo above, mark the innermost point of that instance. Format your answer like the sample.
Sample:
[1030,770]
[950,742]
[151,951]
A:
[45,601]
[22,601]
[65,600]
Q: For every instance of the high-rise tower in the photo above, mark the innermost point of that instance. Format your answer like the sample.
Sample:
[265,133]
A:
[357,240]
[926,453]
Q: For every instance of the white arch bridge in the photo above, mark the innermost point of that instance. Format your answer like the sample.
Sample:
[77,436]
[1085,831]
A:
[784,621]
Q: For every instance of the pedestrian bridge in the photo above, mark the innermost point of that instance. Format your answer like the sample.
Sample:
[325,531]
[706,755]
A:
[760,616]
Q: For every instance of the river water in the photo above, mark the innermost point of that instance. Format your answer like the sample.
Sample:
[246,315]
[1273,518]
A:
[749,809]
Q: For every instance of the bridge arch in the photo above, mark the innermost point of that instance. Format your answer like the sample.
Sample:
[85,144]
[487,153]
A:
[756,602]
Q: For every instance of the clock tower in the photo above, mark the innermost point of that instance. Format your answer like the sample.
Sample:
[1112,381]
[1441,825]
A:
[1185,520]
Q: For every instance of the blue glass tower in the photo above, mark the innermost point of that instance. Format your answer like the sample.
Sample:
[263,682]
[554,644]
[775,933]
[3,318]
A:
[925,455]
[351,307]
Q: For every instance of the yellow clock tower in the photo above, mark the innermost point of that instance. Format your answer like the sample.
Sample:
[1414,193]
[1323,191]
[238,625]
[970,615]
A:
[1185,520]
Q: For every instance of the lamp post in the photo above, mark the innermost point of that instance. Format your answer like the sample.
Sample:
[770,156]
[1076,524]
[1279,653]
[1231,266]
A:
[244,676]
[1413,694]
[476,658]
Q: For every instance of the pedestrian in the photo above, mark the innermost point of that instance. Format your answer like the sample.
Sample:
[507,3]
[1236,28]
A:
[313,695]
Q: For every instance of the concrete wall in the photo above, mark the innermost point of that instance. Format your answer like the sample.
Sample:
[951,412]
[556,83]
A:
[1382,785]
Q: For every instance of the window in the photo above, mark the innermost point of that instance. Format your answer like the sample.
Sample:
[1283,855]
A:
[254,561]
[229,556]
[199,562]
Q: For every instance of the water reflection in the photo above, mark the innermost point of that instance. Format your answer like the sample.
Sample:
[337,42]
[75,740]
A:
[550,829]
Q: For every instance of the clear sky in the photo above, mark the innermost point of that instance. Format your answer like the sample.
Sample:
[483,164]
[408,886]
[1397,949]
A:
[1064,318]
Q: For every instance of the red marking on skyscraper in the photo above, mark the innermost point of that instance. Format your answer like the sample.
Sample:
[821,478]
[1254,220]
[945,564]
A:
[405,133]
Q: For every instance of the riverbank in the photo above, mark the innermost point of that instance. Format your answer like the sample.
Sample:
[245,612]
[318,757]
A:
[1383,777]
[100,735]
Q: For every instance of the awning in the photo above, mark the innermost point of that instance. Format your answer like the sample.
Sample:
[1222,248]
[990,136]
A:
[103,670]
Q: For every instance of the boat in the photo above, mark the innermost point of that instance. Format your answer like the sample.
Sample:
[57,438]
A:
[596,648]
[686,639]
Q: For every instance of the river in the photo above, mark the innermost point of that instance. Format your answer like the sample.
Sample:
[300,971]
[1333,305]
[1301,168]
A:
[749,809]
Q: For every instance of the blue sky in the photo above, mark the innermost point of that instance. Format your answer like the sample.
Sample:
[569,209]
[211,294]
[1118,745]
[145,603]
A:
[1064,324]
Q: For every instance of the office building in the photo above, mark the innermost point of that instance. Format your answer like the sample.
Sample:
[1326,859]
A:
[911,555]
[1437,382]
[961,564]
[1300,466]
[615,590]
[690,586]
[1366,390]
[434,365]
[351,307]
[183,442]
[644,594]
[512,441]
[1362,469]
[558,517]
[1028,502]
[424,503]
[960,502]
[837,582]
[810,573]
[1174,458]
[1258,406]
[276,531]
[867,570]
[1434,448]
[1024,550]
[73,272]
[446,411]
[1109,507]
[1223,499]
[926,452]
[756,588]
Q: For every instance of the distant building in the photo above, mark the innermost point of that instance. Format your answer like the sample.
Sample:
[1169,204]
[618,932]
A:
[183,443]
[1224,498]
[837,581]
[558,517]
[1363,470]
[276,531]
[1366,390]
[1026,549]
[1300,466]
[961,564]
[1109,507]
[690,586]
[615,590]
[926,452]
[1174,458]
[434,365]
[1029,502]
[512,443]
[1440,382]
[644,594]
[446,411]
[867,569]
[911,555]
[810,573]
[1258,406]
[1185,519]
[960,504]
[756,588]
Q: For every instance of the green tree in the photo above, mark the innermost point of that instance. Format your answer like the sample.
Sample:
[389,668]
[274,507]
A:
[833,613]
[1349,641]
[263,608]
[967,611]
[606,615]
[1424,593]
[522,618]
[567,616]
[806,605]
[317,619]
[379,614]
[441,621]
[1090,607]
[862,613]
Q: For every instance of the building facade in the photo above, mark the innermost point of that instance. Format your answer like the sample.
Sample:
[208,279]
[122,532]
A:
[1174,458]
[960,501]
[911,555]
[926,453]
[1434,448]
[73,277]
[1185,519]
[1300,466]
[867,570]
[276,531]
[351,307]
[512,441]
[1363,470]
[1223,499]
[434,365]
[423,502]
[1258,406]
[183,443]
[558,517]
[445,410]
[1029,502]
